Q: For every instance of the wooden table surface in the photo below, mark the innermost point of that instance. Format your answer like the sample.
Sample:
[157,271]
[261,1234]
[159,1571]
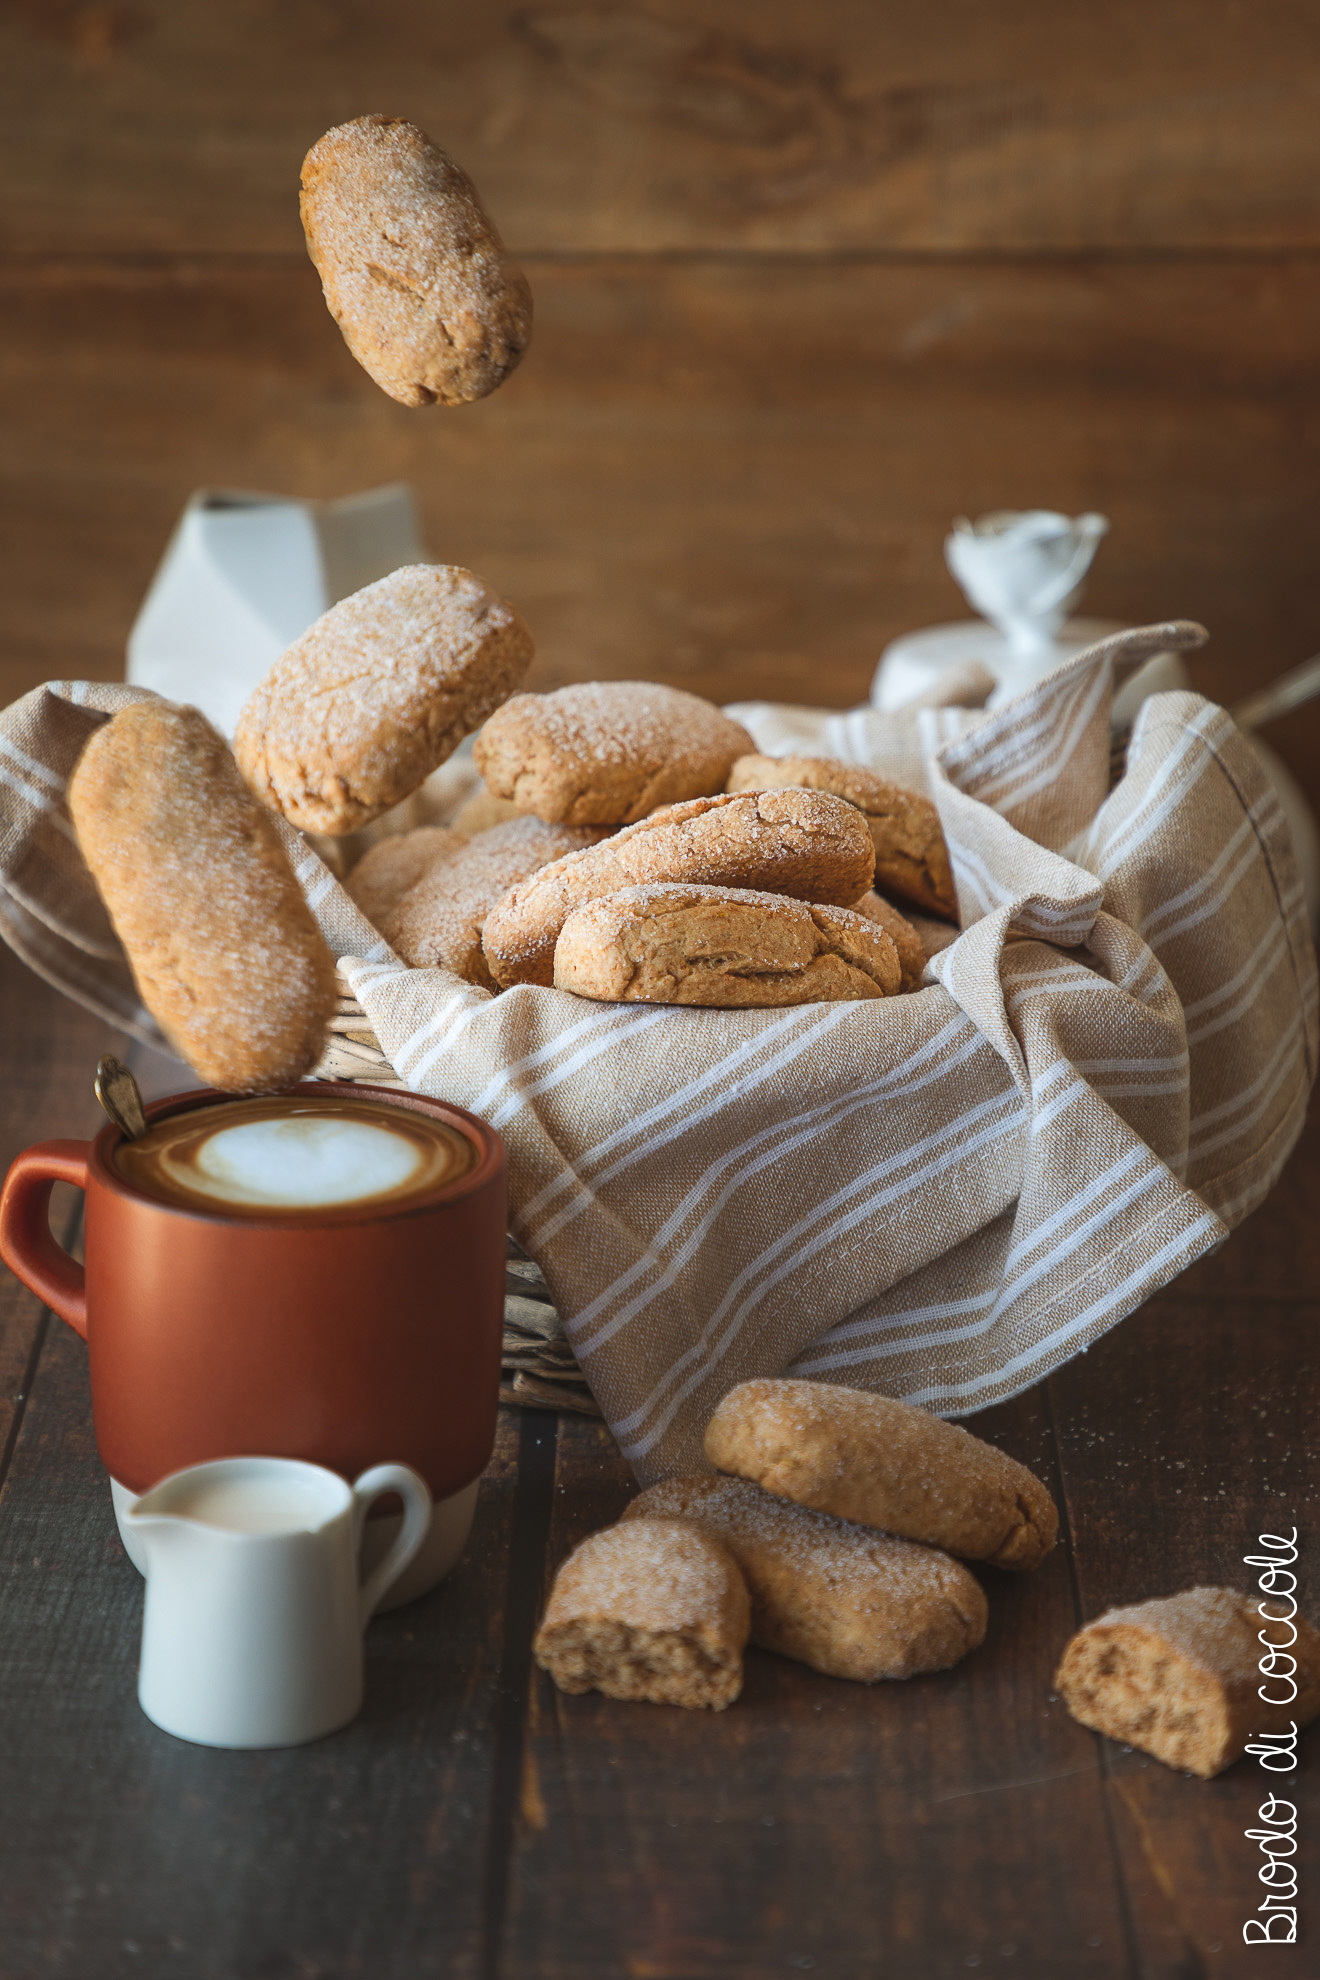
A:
[474,1822]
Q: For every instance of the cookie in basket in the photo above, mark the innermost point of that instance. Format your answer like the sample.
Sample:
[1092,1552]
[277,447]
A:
[868,1458]
[393,865]
[848,1601]
[224,949]
[721,948]
[413,271]
[653,1609]
[1180,1677]
[607,752]
[376,693]
[806,844]
[901,932]
[911,858]
[439,920]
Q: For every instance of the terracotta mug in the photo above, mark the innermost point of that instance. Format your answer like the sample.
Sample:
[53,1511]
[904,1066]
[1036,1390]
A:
[345,1336]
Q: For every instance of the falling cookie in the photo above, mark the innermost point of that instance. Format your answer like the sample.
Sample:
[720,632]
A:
[414,273]
[377,693]
[223,947]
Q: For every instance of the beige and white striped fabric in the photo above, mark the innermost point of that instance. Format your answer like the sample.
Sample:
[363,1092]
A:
[940,1196]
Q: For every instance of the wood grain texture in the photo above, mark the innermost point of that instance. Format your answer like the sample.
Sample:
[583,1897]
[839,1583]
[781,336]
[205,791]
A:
[129,1853]
[1185,1434]
[170,124]
[734,476]
[47,1092]
[942,1819]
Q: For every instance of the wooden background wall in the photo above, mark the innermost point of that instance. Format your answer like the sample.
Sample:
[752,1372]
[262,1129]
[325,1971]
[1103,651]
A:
[809,283]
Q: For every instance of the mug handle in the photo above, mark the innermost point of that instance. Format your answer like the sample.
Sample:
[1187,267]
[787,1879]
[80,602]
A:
[27,1244]
[416,1495]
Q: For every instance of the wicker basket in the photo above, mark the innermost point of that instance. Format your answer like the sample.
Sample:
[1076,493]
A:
[539,1368]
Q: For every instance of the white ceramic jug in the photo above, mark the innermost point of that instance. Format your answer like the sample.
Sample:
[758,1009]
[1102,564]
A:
[252,1626]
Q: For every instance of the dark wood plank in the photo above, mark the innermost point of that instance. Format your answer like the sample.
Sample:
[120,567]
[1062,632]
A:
[733,477]
[129,1853]
[1027,126]
[48,1053]
[1186,1433]
[818,1825]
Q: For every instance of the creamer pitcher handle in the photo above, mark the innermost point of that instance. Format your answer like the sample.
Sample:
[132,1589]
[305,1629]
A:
[26,1243]
[416,1496]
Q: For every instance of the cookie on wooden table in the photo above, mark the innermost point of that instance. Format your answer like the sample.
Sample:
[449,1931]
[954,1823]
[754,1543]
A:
[848,1601]
[886,1464]
[607,752]
[384,875]
[911,858]
[413,271]
[439,920]
[377,693]
[723,948]
[653,1609]
[1180,1677]
[224,949]
[806,844]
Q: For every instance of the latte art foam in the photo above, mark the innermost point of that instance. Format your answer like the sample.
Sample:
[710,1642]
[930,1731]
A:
[290,1154]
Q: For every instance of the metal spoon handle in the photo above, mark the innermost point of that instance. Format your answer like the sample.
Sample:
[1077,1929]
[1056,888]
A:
[117,1091]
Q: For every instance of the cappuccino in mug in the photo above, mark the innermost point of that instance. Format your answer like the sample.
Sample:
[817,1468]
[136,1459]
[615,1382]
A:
[295,1152]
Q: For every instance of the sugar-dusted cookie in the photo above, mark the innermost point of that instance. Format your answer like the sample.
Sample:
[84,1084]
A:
[1180,1677]
[607,752]
[439,920]
[905,938]
[384,875]
[721,947]
[844,1599]
[373,696]
[911,858]
[653,1609]
[803,843]
[886,1464]
[223,947]
[414,273]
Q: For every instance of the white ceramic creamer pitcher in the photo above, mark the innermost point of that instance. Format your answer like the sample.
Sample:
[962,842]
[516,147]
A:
[252,1626]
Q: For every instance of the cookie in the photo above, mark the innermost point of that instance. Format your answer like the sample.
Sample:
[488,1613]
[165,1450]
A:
[607,752]
[652,1609]
[1181,1677]
[911,858]
[806,844]
[384,875]
[901,932]
[849,1602]
[364,706]
[413,271]
[886,1464]
[722,948]
[223,947]
[439,920]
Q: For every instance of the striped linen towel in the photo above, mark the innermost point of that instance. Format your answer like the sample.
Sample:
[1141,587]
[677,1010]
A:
[940,1196]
